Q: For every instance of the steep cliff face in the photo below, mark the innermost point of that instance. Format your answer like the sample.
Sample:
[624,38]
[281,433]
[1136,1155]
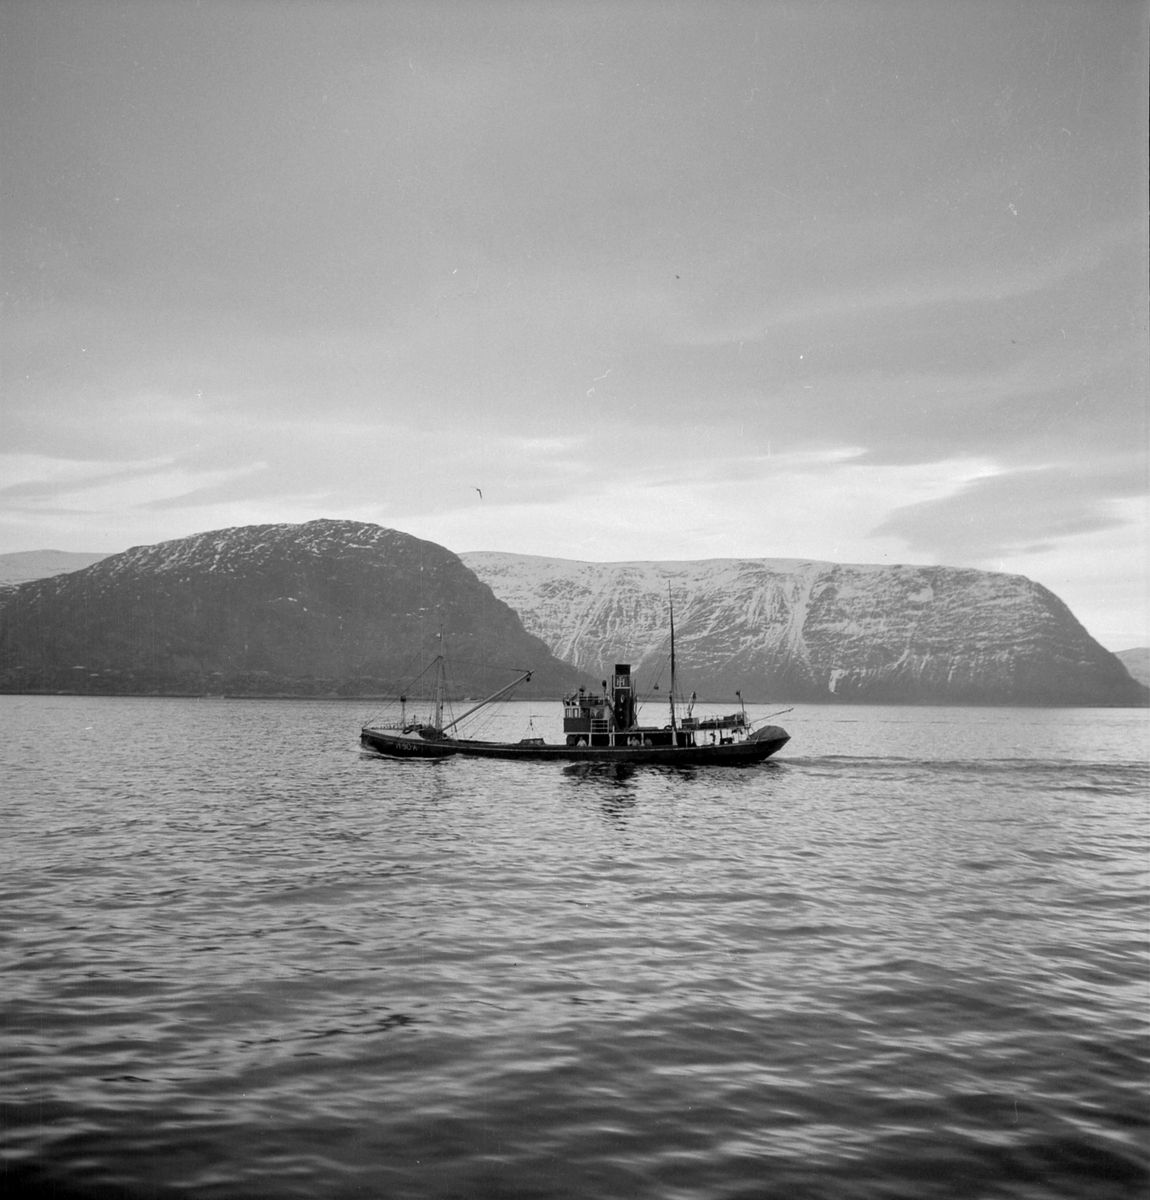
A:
[788,629]
[327,606]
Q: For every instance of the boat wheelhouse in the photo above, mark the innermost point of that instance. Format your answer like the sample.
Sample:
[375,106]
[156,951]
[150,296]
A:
[610,719]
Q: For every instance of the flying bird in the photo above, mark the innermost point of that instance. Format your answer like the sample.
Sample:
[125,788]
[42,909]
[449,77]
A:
[479,490]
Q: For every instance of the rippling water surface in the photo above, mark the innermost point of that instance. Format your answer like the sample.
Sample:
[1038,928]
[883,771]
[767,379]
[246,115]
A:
[908,957]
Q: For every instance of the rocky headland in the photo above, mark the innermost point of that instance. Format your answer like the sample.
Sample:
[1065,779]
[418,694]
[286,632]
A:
[797,630]
[323,608]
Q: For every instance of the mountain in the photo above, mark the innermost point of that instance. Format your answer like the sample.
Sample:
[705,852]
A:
[25,565]
[1137,662]
[791,629]
[326,607]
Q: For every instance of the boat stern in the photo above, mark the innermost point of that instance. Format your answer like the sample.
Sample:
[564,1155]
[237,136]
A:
[406,743]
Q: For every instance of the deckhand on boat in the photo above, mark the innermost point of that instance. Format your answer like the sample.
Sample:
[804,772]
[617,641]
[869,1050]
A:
[598,727]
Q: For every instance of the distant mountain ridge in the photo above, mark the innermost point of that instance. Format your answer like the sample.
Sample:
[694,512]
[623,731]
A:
[1137,662]
[327,607]
[333,607]
[23,566]
[792,629]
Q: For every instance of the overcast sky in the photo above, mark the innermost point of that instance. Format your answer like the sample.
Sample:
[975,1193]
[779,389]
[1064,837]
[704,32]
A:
[863,281]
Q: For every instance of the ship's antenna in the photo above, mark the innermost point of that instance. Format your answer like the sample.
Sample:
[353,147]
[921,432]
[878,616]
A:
[671,607]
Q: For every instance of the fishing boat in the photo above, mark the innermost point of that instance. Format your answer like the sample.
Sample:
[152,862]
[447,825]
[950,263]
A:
[598,726]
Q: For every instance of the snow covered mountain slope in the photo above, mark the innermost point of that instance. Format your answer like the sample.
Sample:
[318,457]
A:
[790,629]
[320,608]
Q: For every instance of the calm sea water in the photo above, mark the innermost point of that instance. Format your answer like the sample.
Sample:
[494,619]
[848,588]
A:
[907,958]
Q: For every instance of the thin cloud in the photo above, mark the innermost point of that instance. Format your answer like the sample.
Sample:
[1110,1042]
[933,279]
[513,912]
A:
[1013,512]
[35,476]
[895,298]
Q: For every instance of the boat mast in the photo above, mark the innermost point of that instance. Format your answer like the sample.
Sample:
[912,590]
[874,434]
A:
[439,684]
[671,606]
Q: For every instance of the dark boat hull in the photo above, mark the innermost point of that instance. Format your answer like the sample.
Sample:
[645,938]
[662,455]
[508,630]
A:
[757,748]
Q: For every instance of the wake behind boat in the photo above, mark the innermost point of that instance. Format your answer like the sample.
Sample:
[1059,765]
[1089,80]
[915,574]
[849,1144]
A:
[598,727]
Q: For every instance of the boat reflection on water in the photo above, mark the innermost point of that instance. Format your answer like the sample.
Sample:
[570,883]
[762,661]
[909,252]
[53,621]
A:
[602,772]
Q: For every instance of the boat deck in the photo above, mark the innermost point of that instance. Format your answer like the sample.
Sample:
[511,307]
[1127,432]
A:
[395,744]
